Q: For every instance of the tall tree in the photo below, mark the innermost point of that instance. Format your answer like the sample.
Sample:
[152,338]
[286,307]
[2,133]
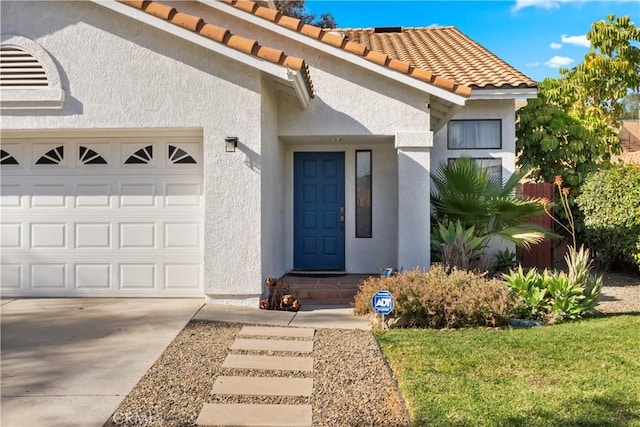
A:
[571,129]
[297,9]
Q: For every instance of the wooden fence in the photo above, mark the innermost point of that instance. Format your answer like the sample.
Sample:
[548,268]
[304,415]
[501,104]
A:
[540,255]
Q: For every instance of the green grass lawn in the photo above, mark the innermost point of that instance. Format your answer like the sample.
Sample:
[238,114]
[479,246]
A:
[584,373]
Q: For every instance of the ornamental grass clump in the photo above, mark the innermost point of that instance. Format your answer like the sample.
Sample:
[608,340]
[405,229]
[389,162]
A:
[441,298]
[557,296]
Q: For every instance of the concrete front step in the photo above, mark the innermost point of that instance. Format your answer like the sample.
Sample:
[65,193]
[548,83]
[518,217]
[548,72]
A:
[277,331]
[274,363]
[243,415]
[263,386]
[272,345]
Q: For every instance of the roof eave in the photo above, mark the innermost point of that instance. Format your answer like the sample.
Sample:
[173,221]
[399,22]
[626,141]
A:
[299,86]
[287,76]
[337,52]
[504,93]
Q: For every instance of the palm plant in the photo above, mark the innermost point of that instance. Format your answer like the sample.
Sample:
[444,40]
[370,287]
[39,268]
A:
[464,191]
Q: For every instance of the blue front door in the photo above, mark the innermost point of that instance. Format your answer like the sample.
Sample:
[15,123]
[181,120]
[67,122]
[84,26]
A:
[318,211]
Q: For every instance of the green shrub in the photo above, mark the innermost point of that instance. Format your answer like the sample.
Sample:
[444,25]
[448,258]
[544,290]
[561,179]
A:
[557,296]
[458,247]
[441,298]
[504,260]
[610,201]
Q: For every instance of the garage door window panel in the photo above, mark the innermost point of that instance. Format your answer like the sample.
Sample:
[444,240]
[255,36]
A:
[54,156]
[89,156]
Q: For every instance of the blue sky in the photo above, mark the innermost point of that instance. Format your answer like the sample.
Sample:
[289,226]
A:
[535,36]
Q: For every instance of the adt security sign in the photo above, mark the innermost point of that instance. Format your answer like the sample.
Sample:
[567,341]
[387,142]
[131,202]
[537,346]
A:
[382,302]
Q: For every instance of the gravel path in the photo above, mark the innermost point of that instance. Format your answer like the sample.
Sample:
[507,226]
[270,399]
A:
[352,384]
[620,294]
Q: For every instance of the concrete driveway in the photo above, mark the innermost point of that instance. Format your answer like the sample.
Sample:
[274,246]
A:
[71,362]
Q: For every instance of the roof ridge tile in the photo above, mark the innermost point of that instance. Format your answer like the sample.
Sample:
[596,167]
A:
[216,33]
[160,10]
[193,23]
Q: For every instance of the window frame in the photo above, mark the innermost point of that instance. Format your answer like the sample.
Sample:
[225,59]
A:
[498,147]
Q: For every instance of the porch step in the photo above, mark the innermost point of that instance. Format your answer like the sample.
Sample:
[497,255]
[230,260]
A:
[257,415]
[325,290]
[319,273]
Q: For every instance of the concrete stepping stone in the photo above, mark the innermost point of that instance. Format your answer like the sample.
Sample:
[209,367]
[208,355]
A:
[273,363]
[277,331]
[263,386]
[272,345]
[255,415]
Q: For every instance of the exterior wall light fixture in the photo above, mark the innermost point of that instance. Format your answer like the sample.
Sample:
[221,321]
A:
[231,142]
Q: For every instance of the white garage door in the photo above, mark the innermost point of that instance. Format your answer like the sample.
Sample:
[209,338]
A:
[102,217]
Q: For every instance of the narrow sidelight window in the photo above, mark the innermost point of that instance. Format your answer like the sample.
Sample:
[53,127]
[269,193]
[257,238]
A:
[363,194]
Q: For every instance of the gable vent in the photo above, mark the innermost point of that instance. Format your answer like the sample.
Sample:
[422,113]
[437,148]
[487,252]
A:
[19,69]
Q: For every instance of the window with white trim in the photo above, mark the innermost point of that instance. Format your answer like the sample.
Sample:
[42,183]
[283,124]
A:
[474,134]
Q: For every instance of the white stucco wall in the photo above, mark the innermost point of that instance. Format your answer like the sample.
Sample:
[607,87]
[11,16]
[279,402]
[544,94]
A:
[354,101]
[272,172]
[119,73]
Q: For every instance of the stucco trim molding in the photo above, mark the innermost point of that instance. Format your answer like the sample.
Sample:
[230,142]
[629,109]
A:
[50,97]
[413,140]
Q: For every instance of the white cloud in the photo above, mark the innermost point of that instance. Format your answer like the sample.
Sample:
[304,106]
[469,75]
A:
[533,64]
[558,61]
[555,45]
[576,40]
[551,4]
[545,4]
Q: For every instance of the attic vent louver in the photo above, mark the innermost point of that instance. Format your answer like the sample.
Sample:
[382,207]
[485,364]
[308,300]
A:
[19,69]
[387,30]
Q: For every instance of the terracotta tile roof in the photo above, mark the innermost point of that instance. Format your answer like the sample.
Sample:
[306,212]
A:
[224,36]
[441,56]
[443,51]
[336,38]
